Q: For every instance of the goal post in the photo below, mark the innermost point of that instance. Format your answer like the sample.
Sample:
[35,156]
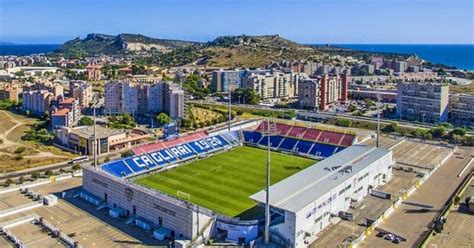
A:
[183,195]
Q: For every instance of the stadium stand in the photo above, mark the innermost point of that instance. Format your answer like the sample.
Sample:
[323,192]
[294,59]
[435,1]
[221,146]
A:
[330,137]
[305,141]
[117,168]
[296,132]
[288,144]
[347,140]
[170,143]
[274,141]
[311,134]
[303,146]
[323,150]
[165,153]
[252,137]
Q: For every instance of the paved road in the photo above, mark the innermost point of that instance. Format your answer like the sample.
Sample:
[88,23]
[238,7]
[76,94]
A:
[303,113]
[410,221]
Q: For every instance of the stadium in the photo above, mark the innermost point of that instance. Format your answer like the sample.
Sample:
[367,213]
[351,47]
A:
[210,184]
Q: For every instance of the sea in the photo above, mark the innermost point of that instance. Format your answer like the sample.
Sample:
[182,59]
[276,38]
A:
[460,56]
[27,49]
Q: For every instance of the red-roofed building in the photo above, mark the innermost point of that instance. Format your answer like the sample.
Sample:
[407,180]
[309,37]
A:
[66,113]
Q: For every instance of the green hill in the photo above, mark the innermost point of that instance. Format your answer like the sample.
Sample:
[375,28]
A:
[225,51]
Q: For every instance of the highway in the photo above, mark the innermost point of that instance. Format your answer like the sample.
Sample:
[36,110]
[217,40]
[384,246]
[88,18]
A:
[314,114]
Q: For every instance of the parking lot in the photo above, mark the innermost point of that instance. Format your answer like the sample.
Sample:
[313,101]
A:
[420,154]
[458,230]
[77,219]
[412,221]
[12,199]
[342,232]
[35,236]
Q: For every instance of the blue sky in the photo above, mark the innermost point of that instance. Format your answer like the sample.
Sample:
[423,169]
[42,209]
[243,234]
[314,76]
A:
[306,21]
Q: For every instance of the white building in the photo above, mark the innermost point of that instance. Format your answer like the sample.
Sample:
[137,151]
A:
[423,101]
[307,200]
[144,98]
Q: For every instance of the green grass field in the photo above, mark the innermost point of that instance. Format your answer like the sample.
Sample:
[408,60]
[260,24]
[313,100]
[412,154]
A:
[224,182]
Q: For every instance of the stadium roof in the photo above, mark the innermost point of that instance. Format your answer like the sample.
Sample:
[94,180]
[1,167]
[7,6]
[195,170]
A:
[299,190]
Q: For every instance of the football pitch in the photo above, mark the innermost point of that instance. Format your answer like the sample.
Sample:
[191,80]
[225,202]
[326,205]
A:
[224,182]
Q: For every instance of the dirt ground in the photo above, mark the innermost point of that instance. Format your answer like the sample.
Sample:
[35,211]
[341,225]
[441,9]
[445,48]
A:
[12,156]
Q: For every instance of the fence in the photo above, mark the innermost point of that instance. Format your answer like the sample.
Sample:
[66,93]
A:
[21,208]
[39,182]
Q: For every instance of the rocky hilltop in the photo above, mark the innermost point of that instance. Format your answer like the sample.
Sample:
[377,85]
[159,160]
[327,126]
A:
[94,44]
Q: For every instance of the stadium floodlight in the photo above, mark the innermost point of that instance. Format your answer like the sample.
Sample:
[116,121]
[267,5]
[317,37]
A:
[94,142]
[378,119]
[230,103]
[271,131]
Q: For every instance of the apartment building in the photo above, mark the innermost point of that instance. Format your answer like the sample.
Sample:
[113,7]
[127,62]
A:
[144,98]
[223,79]
[9,92]
[461,109]
[425,101]
[94,72]
[173,101]
[36,102]
[272,85]
[82,92]
[319,92]
[65,113]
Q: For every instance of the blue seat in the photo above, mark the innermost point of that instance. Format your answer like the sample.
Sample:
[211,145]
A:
[200,146]
[167,155]
[117,168]
[183,152]
[158,158]
[252,137]
[140,163]
[303,146]
[222,140]
[274,141]
[215,142]
[323,150]
[288,144]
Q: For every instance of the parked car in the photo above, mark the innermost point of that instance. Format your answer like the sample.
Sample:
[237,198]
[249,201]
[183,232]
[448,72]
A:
[380,234]
[396,240]
[389,237]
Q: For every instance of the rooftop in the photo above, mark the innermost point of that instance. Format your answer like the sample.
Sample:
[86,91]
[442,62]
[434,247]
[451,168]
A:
[61,112]
[69,100]
[299,190]
[87,132]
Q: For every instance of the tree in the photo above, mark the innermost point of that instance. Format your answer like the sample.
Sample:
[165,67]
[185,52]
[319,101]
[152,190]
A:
[163,118]
[392,127]
[438,132]
[369,102]
[20,73]
[459,131]
[127,119]
[8,182]
[344,123]
[85,121]
[351,108]
[469,140]
[35,175]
